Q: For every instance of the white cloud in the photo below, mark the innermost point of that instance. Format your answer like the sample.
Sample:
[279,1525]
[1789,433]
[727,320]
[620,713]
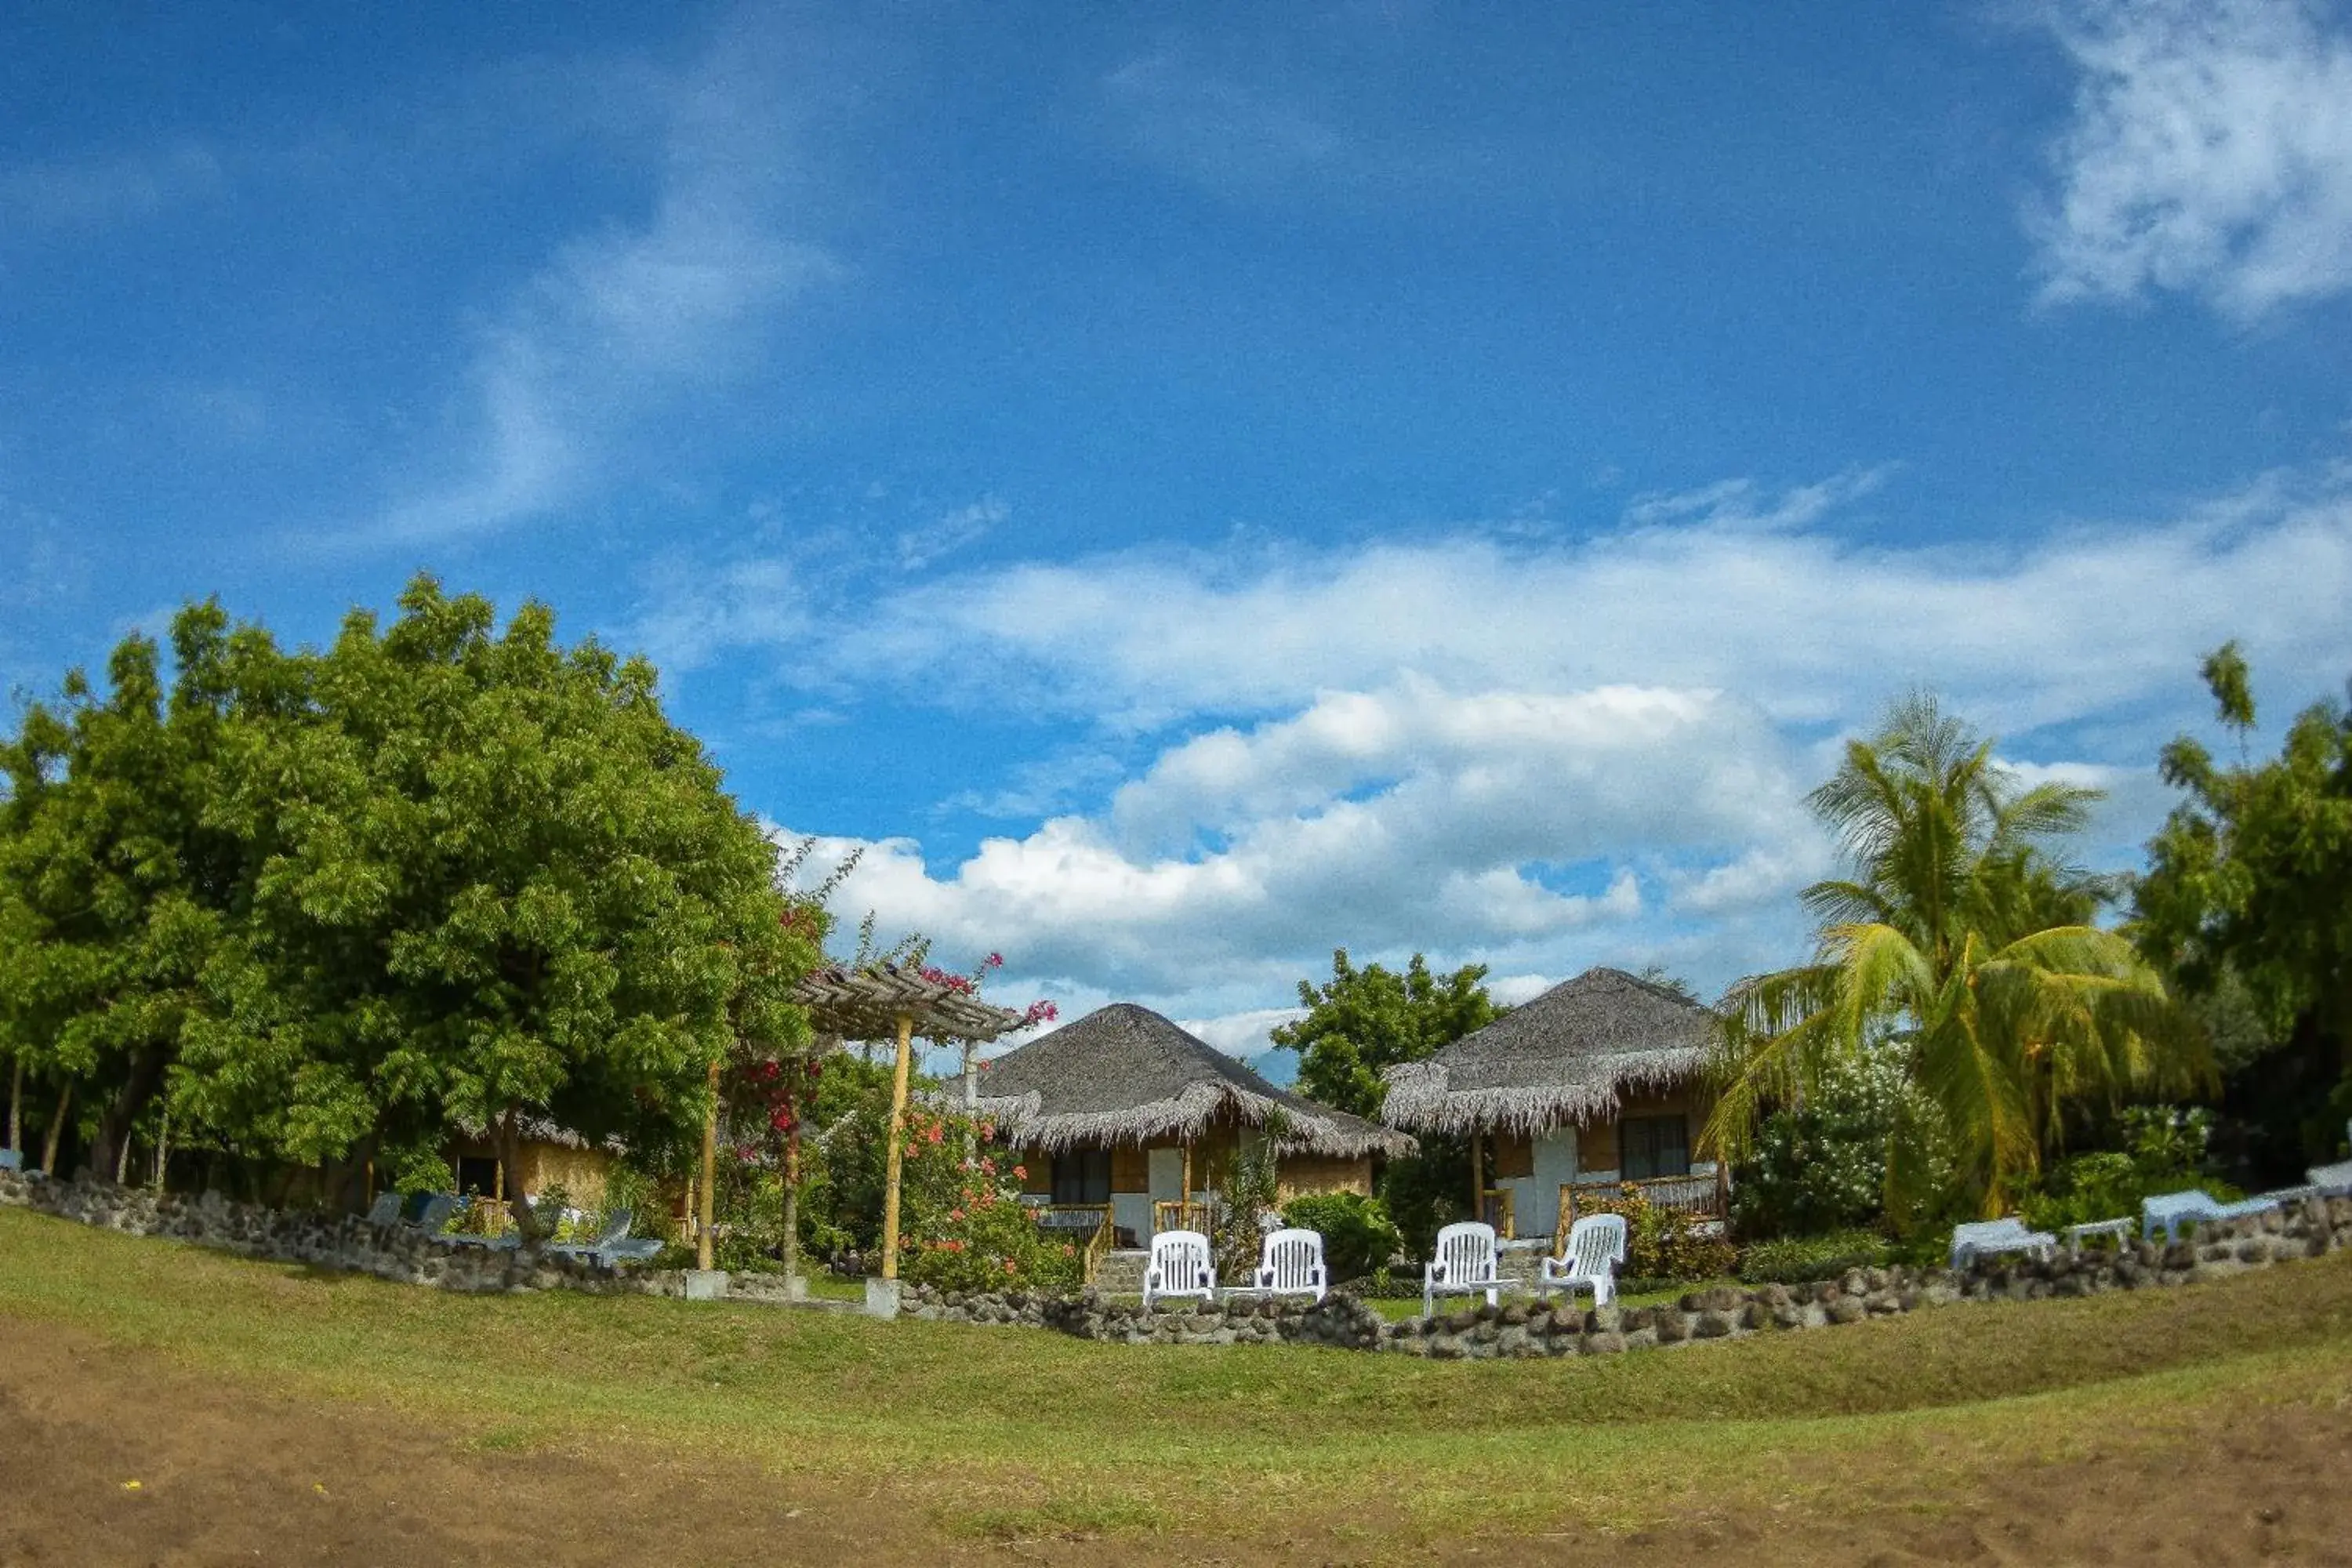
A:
[626,321]
[1797,621]
[1540,756]
[2210,152]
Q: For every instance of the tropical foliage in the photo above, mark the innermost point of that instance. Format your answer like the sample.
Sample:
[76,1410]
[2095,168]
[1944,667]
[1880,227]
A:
[2164,1151]
[1359,1239]
[1963,943]
[1361,1020]
[324,906]
[2244,903]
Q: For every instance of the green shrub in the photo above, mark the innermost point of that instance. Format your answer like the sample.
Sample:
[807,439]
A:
[1359,1239]
[1797,1259]
[1664,1245]
[2164,1152]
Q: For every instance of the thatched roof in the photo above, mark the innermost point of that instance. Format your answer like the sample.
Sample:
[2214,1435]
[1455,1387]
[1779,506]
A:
[1123,1073]
[1568,1056]
[867,1004]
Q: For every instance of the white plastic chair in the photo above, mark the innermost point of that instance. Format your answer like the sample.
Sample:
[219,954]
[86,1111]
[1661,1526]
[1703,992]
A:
[386,1208]
[1984,1238]
[1464,1265]
[1596,1244]
[1180,1266]
[1290,1263]
[2169,1211]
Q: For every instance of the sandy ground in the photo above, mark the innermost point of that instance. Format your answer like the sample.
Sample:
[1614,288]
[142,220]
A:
[226,1474]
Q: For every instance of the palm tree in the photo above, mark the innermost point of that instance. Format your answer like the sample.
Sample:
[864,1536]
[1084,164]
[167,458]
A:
[1961,944]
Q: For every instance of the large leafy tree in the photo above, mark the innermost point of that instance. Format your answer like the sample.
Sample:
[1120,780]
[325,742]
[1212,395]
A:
[1961,942]
[115,885]
[442,873]
[1361,1020]
[2248,903]
[496,888]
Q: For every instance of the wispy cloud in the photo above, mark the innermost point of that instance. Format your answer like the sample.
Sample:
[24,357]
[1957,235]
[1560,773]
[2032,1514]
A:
[77,195]
[1215,130]
[626,322]
[2209,154]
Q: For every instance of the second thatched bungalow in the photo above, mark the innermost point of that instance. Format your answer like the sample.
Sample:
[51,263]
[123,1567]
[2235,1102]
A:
[1127,1111]
[1598,1082]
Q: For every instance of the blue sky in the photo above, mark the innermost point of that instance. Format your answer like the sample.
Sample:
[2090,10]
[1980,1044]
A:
[1189,487]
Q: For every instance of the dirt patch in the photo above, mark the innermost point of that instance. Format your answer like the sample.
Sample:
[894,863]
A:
[228,1474]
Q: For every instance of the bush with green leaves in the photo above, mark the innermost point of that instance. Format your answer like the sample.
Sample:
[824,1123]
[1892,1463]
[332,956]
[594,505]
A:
[2164,1152]
[1797,1259]
[1359,1237]
[961,1223]
[1663,1245]
[1821,1166]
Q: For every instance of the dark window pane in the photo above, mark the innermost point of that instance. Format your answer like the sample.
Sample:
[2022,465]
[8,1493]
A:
[1652,1146]
[1082,1177]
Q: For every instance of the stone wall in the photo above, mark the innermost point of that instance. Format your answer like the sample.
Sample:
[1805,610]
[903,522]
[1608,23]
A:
[337,1241]
[1517,1328]
[1520,1328]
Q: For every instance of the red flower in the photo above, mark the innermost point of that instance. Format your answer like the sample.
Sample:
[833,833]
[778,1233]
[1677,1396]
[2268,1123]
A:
[936,1132]
[956,1215]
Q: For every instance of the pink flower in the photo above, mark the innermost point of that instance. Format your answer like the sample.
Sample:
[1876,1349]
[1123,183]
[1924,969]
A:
[956,1215]
[988,1165]
[1020,1173]
[936,1132]
[1008,1266]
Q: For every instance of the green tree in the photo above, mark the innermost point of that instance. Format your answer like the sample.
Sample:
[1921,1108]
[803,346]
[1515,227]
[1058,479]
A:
[2246,902]
[1960,941]
[494,885]
[1362,1020]
[116,886]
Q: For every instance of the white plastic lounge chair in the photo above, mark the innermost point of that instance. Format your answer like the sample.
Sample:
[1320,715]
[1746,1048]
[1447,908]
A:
[1984,1238]
[615,1245]
[2333,1180]
[1289,1263]
[435,1213]
[386,1208]
[11,1160]
[1180,1266]
[1464,1265]
[1596,1245]
[2170,1211]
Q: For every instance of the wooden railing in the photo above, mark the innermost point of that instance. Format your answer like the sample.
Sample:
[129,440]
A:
[1089,1225]
[1180,1214]
[1700,1197]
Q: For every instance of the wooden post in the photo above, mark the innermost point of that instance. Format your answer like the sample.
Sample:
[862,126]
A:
[704,1258]
[896,1159]
[1184,1209]
[971,1095]
[1477,1174]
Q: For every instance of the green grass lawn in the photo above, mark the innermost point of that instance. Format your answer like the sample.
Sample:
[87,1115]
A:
[1018,1429]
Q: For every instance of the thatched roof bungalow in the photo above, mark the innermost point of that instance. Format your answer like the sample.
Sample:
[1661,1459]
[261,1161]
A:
[1598,1081]
[1125,1108]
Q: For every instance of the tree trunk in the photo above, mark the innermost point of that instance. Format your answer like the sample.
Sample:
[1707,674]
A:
[110,1150]
[508,1129]
[16,1105]
[57,1129]
[163,1148]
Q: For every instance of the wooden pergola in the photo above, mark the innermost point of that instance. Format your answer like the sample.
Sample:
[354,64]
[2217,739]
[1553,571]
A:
[887,1002]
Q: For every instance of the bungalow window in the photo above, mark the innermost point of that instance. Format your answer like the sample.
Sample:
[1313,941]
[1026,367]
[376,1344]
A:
[1652,1146]
[1082,1177]
[478,1176]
